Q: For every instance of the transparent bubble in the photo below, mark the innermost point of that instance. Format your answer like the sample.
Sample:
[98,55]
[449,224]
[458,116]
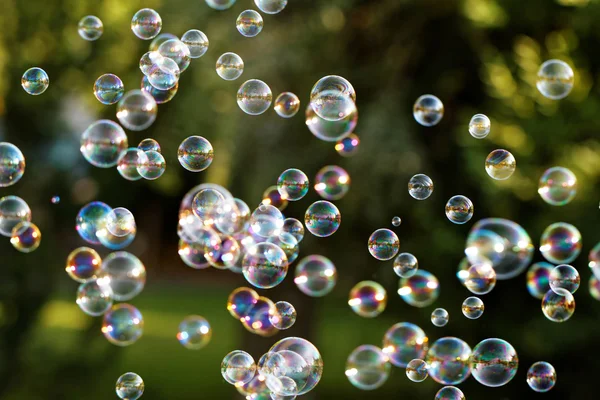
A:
[479,126]
[154,167]
[123,324]
[450,393]
[83,265]
[149,145]
[420,289]
[164,74]
[149,60]
[207,206]
[130,386]
[266,221]
[558,186]
[420,187]
[120,221]
[284,315]
[367,299]
[396,221]
[249,23]
[12,164]
[271,6]
[307,351]
[322,218]
[287,105]
[286,372]
[294,228]
[129,162]
[160,39]
[332,182]
[230,66]
[494,362]
[160,96]
[257,319]
[136,111]
[226,255]
[330,131]
[368,367]
[256,389]
[560,243]
[500,164]
[383,244]
[108,89]
[194,332]
[126,275]
[555,79]
[240,301]
[265,265]
[195,153]
[440,317]
[146,24]
[113,242]
[238,367]
[220,4]
[541,376]
[480,278]
[594,259]
[333,98]
[25,237]
[564,278]
[315,276]
[288,243]
[271,196]
[254,97]
[90,219]
[234,217]
[196,41]
[292,184]
[459,209]
[102,143]
[473,307]
[558,307]
[177,51]
[193,254]
[448,360]
[406,265]
[94,297]
[35,81]
[404,342]
[90,28]
[348,146]
[55,199]
[417,370]
[428,110]
[538,279]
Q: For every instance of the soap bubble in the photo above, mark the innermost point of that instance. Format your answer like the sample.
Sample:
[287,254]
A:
[35,81]
[90,219]
[309,353]
[94,297]
[238,367]
[368,299]
[560,243]
[315,276]
[481,278]
[405,265]
[154,167]
[12,164]
[428,110]
[83,265]
[420,289]
[234,217]
[193,254]
[90,28]
[255,389]
[220,4]
[288,243]
[348,146]
[26,237]
[194,332]
[196,41]
[564,278]
[113,242]
[265,265]
[266,221]
[195,153]
[330,131]
[136,111]
[420,187]
[129,162]
[558,186]
[594,259]
[459,209]
[160,96]
[500,164]
[292,184]
[494,362]
[479,126]
[417,370]
[333,98]
[254,97]
[120,221]
[102,143]
[207,205]
[368,367]
[404,342]
[164,74]
[294,228]
[160,39]
[541,376]
[123,324]
[240,301]
[383,244]
[130,386]
[249,23]
[146,24]
[108,89]
[271,6]
[440,317]
[538,279]
[558,307]
[332,182]
[322,218]
[286,372]
[271,196]
[555,79]
[473,307]
[177,51]
[126,275]
[450,393]
[257,319]
[396,221]
[226,255]
[149,60]
[448,360]
[149,145]
[283,316]
[55,199]
[287,105]
[230,66]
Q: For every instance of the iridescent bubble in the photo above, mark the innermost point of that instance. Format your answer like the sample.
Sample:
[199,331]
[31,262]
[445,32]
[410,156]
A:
[220,4]
[558,307]
[538,279]
[417,370]
[108,89]
[55,199]
[481,278]
[564,278]
[332,182]
[560,243]
[154,167]
[35,81]
[479,126]
[283,316]
[234,217]
[193,254]
[271,6]
[500,164]
[26,237]
[450,393]
[348,146]
[130,386]
[557,186]
[292,184]
[102,143]
[160,39]
[146,23]
[287,105]
[440,317]
[123,324]
[113,242]
[396,221]
[406,265]
[555,79]
[420,187]
[265,265]
[367,299]
[420,289]
[383,244]
[129,162]
[207,205]
[254,97]
[428,110]
[286,373]
[90,28]
[330,131]
[148,61]
[541,376]
[333,98]
[126,275]
[238,367]
[90,219]
[266,221]
[120,221]
[309,353]
[473,307]
[255,389]
[257,319]
[322,218]
[230,66]
[196,41]
[149,145]
[494,362]
[404,342]
[594,259]
[315,276]
[271,196]
[94,297]
[240,301]
[293,227]
[136,111]
[448,360]
[368,367]
[249,23]
[195,153]
[194,332]
[177,51]
[164,74]
[226,255]
[12,164]
[160,96]
[288,243]
[459,209]
[83,265]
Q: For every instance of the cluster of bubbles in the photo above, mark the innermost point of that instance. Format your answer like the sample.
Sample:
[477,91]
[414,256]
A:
[15,223]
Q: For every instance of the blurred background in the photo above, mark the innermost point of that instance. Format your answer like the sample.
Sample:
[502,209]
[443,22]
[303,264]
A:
[477,56]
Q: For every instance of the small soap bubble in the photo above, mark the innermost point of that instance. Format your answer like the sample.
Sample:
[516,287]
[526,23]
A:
[160,96]
[12,164]
[130,386]
[108,89]
[90,28]
[555,79]
[428,110]
[557,186]
[322,218]
[230,66]
[538,279]
[238,367]
[148,61]
[149,145]
[368,299]
[283,316]
[102,143]
[480,278]
[220,4]
[266,221]
[240,301]
[405,265]
[194,332]
[177,51]
[292,184]
[196,41]
[254,97]
[473,307]
[315,276]
[249,23]
[396,221]
[450,393]
[90,219]
[26,237]
[420,187]
[564,278]
[35,81]
[479,126]
[195,153]
[120,221]
[332,182]
[272,197]
[459,209]
[126,275]
[137,109]
[146,24]
[265,265]
[287,105]
[129,162]
[420,289]
[160,39]
[494,362]
[154,167]
[55,199]
[440,317]
[164,74]
[123,324]
[500,164]
[271,6]
[404,342]
[293,227]
[83,265]
[558,307]
[368,367]
[560,243]
[541,376]
[94,297]
[448,360]
[417,370]
[383,244]
[333,98]
[288,243]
